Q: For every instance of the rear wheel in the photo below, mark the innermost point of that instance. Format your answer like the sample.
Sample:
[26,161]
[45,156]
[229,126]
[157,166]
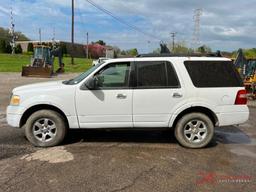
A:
[45,128]
[194,130]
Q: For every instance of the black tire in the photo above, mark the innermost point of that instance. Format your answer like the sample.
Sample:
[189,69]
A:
[54,119]
[191,120]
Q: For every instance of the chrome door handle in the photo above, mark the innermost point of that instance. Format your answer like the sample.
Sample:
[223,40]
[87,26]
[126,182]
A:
[177,95]
[121,96]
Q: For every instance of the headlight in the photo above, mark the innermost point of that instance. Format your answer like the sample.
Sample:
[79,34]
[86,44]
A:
[15,100]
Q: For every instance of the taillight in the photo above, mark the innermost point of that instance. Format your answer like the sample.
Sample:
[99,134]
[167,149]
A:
[241,98]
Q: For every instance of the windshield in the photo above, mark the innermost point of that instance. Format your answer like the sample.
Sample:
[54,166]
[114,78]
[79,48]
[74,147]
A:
[79,78]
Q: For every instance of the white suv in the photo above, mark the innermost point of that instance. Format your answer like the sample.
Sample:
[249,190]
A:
[190,94]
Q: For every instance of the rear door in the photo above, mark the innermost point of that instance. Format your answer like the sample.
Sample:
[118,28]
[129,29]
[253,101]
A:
[156,92]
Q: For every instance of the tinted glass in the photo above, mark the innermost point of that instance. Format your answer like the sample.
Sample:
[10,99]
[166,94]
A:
[151,74]
[213,74]
[114,75]
[156,74]
[172,76]
[81,77]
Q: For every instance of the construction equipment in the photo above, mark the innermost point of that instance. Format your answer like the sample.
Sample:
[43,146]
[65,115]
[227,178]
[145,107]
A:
[247,70]
[250,78]
[42,62]
[164,48]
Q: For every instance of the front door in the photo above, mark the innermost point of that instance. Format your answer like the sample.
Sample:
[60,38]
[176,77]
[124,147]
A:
[110,105]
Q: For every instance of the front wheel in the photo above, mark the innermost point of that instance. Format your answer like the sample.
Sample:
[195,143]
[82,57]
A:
[45,128]
[194,130]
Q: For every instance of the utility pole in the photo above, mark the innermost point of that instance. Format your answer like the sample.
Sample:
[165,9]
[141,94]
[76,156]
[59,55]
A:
[149,46]
[40,35]
[53,34]
[53,38]
[173,34]
[72,32]
[87,45]
[12,34]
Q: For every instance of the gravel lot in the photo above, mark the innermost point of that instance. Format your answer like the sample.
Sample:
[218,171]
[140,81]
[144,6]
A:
[124,160]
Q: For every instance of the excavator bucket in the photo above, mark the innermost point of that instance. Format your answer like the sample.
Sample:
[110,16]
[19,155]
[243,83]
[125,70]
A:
[44,72]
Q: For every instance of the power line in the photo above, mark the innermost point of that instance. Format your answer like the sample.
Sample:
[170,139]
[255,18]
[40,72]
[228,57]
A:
[121,20]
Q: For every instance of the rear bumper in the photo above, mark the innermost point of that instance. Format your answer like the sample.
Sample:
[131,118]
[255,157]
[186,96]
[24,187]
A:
[235,116]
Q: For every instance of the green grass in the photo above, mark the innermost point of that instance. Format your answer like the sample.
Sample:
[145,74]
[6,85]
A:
[14,63]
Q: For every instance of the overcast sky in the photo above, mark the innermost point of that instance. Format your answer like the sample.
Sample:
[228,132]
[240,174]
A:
[225,25]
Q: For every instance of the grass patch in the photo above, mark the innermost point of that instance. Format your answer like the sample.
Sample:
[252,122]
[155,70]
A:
[14,63]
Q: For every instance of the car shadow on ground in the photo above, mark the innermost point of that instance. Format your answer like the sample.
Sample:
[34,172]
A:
[126,136]
[231,135]
[223,135]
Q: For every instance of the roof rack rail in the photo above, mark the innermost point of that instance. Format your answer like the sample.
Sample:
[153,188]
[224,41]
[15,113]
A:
[216,54]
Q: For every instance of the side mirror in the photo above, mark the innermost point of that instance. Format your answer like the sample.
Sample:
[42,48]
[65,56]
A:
[94,82]
[90,83]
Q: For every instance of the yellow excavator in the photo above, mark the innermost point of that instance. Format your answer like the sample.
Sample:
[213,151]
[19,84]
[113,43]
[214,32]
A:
[247,69]
[250,79]
[42,62]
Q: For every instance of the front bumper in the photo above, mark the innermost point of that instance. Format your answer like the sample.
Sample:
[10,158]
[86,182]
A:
[13,120]
[14,114]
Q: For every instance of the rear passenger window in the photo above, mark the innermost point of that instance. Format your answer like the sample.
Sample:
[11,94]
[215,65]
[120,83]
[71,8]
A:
[213,74]
[156,74]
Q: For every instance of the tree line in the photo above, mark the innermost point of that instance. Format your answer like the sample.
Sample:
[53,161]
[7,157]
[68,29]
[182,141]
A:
[5,47]
[5,39]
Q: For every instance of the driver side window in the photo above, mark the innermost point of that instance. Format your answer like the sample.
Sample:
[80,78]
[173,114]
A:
[114,75]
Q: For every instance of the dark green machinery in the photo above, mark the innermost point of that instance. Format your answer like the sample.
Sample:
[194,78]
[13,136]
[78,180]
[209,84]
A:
[42,62]
[247,69]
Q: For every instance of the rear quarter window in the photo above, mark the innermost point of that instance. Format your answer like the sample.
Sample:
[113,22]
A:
[213,74]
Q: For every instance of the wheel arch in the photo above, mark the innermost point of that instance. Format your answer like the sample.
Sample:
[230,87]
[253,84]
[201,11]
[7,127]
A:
[198,109]
[38,107]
